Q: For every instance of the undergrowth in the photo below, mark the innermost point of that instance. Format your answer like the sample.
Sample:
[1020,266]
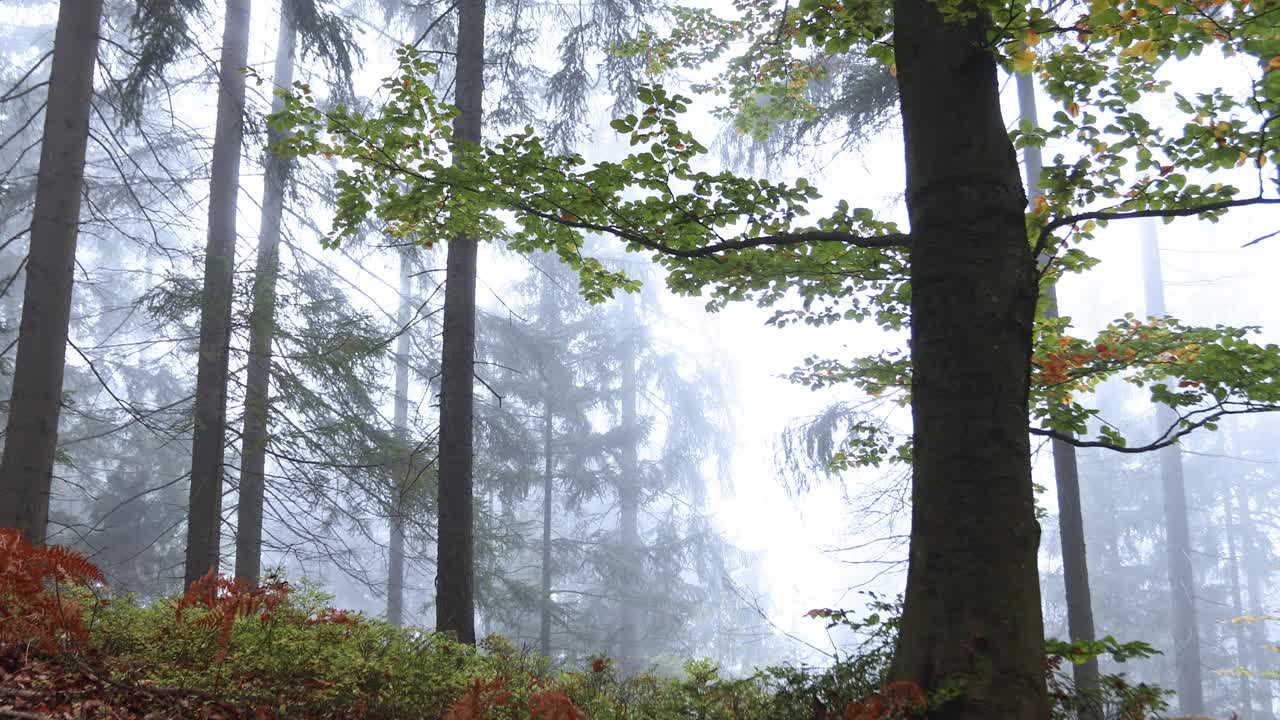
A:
[228,650]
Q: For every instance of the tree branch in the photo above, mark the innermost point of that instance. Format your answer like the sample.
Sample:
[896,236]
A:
[1167,438]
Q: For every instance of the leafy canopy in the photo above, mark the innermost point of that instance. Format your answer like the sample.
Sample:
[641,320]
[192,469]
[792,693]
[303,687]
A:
[741,238]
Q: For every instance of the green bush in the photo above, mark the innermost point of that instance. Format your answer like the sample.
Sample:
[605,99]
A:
[281,651]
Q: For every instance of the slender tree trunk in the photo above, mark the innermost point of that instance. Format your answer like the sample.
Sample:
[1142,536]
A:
[31,436]
[551,322]
[548,488]
[1255,571]
[971,617]
[1245,698]
[262,329]
[1075,565]
[455,566]
[402,469]
[1186,634]
[204,520]
[629,498]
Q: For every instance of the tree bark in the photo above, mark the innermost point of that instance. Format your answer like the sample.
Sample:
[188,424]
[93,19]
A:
[401,469]
[629,498]
[262,328]
[31,436]
[1075,563]
[455,579]
[971,618]
[1186,634]
[208,442]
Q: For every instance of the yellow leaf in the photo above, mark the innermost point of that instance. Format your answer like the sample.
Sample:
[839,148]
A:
[1023,60]
[1031,38]
[1073,109]
[1138,49]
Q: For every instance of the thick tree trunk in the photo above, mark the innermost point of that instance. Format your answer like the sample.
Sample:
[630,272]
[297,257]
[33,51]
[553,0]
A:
[455,578]
[204,519]
[31,436]
[402,469]
[1244,699]
[262,328]
[1255,571]
[972,610]
[629,499]
[1075,565]
[1182,586]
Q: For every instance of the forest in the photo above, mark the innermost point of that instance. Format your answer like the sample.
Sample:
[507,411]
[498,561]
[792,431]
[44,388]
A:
[623,359]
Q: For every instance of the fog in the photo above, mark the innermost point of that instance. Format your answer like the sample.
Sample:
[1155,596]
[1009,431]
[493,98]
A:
[643,412]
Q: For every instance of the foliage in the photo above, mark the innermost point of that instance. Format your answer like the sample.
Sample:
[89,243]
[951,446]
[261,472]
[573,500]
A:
[35,607]
[289,655]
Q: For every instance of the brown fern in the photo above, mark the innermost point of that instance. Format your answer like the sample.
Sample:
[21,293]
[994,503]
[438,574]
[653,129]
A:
[225,599]
[34,610]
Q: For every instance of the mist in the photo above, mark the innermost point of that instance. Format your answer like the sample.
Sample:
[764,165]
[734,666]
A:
[570,449]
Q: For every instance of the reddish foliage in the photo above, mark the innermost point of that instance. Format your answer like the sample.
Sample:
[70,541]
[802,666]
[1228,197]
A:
[554,705]
[599,664]
[33,610]
[482,696]
[225,599]
[334,616]
[898,699]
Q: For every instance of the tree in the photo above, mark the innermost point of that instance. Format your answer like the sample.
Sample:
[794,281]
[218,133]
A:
[31,435]
[253,447]
[455,552]
[971,628]
[402,476]
[1182,584]
[329,38]
[208,443]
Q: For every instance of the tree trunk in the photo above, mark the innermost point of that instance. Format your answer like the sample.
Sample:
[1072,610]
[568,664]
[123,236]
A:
[455,578]
[548,488]
[1186,635]
[551,322]
[629,498]
[1075,564]
[1255,571]
[262,328]
[971,618]
[204,519]
[402,469]
[31,436]
[1244,686]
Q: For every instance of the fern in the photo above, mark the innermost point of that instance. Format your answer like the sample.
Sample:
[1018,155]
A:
[34,609]
[224,599]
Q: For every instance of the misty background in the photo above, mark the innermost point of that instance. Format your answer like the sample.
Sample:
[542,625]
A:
[743,528]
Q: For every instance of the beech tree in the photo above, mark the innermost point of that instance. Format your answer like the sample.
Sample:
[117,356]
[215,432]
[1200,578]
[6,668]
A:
[964,276]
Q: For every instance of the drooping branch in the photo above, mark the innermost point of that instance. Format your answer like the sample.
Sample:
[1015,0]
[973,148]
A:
[1184,425]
